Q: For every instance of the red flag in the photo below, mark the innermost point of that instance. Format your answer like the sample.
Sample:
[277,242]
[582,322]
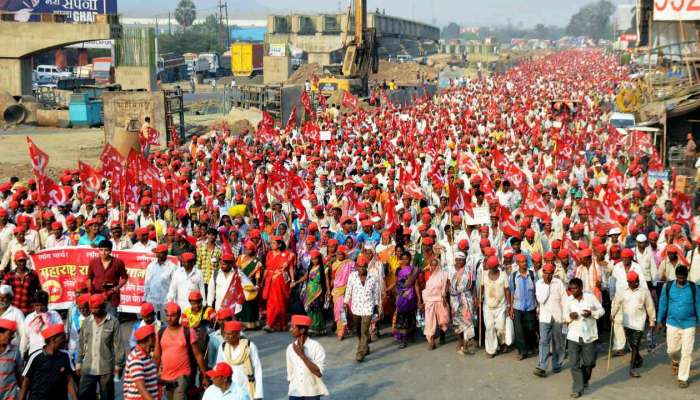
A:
[234,297]
[306,102]
[683,210]
[500,161]
[599,214]
[408,185]
[112,162]
[260,192]
[391,219]
[534,205]
[296,191]
[40,160]
[322,102]
[292,120]
[349,101]
[267,120]
[507,223]
[90,179]
[54,194]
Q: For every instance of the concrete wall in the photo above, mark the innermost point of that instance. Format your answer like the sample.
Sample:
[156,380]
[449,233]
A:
[16,76]
[291,97]
[276,69]
[136,78]
[120,107]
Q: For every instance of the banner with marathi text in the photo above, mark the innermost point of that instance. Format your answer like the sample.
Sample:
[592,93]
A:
[58,269]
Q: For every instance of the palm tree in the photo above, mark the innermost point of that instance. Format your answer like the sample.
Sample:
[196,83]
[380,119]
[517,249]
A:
[185,13]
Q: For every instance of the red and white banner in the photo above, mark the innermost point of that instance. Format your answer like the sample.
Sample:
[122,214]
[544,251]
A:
[58,269]
[676,10]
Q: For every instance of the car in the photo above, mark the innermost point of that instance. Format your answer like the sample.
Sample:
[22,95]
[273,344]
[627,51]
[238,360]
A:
[50,72]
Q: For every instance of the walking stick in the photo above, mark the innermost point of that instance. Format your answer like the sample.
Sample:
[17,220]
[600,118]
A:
[481,314]
[610,348]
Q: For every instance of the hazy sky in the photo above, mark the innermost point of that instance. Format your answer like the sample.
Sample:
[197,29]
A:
[467,12]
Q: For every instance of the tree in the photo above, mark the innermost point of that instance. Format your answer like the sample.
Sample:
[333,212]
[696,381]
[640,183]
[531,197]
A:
[451,31]
[185,13]
[592,20]
[541,31]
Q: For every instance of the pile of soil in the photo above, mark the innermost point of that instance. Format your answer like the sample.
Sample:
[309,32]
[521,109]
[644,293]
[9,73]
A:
[305,72]
[404,74]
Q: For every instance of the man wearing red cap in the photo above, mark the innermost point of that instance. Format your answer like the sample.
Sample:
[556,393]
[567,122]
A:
[148,317]
[185,279]
[92,236]
[496,301]
[143,242]
[58,238]
[23,281]
[551,295]
[179,355]
[220,281]
[241,354]
[141,371]
[637,307]
[224,388]
[17,244]
[216,336]
[159,273]
[119,240]
[619,274]
[48,372]
[11,365]
[78,312]
[101,355]
[305,363]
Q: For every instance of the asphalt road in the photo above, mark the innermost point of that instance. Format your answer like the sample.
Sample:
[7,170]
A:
[415,373]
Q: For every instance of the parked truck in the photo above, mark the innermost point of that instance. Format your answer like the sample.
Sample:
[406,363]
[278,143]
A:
[212,63]
[246,58]
[171,67]
[103,70]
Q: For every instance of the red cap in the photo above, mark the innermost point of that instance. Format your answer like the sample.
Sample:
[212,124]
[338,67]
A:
[8,324]
[587,252]
[83,299]
[172,308]
[463,244]
[144,332]
[21,255]
[161,248]
[492,262]
[627,253]
[232,326]
[228,257]
[548,268]
[221,370]
[224,313]
[521,258]
[195,295]
[52,331]
[97,300]
[536,257]
[632,276]
[147,309]
[187,256]
[301,320]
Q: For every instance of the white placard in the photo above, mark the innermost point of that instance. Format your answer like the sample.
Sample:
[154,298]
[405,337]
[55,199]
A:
[325,135]
[278,50]
[676,10]
[482,216]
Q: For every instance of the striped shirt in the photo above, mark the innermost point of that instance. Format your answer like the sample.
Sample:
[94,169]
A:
[139,366]
[10,361]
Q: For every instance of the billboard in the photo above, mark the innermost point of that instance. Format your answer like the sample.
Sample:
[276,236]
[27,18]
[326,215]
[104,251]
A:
[676,10]
[73,10]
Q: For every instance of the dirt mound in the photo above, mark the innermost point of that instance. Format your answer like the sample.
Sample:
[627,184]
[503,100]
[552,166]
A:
[240,119]
[305,72]
[404,74]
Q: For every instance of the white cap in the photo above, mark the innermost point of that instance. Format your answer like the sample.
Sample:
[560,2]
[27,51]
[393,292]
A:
[641,238]
[460,255]
[614,231]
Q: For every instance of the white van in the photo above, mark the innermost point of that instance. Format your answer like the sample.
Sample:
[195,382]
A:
[51,72]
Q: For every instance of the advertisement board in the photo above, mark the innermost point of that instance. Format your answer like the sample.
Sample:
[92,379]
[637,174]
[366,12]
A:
[73,10]
[676,10]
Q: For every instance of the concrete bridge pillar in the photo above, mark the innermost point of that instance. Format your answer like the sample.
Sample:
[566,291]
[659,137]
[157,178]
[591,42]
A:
[16,76]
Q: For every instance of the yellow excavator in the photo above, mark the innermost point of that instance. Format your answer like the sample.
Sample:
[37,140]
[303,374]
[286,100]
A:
[361,59]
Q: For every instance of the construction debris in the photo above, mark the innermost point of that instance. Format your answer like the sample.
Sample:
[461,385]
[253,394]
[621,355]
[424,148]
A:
[404,74]
[305,72]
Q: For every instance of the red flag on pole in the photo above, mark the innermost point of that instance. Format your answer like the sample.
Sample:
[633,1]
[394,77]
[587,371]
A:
[349,101]
[90,179]
[306,102]
[292,120]
[40,160]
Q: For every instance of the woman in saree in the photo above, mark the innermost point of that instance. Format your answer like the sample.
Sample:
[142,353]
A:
[353,248]
[249,263]
[316,294]
[408,300]
[340,270]
[462,293]
[279,268]
[435,297]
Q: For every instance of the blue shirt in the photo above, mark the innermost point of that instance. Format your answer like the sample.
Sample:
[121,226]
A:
[341,237]
[681,312]
[215,340]
[374,237]
[85,240]
[523,291]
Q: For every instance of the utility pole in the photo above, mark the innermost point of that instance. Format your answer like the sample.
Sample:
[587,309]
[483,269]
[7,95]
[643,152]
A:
[170,26]
[228,29]
[221,25]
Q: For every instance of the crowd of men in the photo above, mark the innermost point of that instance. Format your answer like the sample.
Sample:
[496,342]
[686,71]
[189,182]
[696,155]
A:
[505,210]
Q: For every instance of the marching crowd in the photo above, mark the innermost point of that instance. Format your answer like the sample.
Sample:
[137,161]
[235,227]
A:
[506,210]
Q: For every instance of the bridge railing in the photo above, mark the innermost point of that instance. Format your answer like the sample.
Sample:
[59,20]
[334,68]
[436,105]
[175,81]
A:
[75,17]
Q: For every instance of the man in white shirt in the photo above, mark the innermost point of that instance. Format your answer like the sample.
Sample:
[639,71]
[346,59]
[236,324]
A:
[619,275]
[637,307]
[223,387]
[363,291]
[645,258]
[185,280]
[581,310]
[305,362]
[242,356]
[157,281]
[220,281]
[551,294]
[58,238]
